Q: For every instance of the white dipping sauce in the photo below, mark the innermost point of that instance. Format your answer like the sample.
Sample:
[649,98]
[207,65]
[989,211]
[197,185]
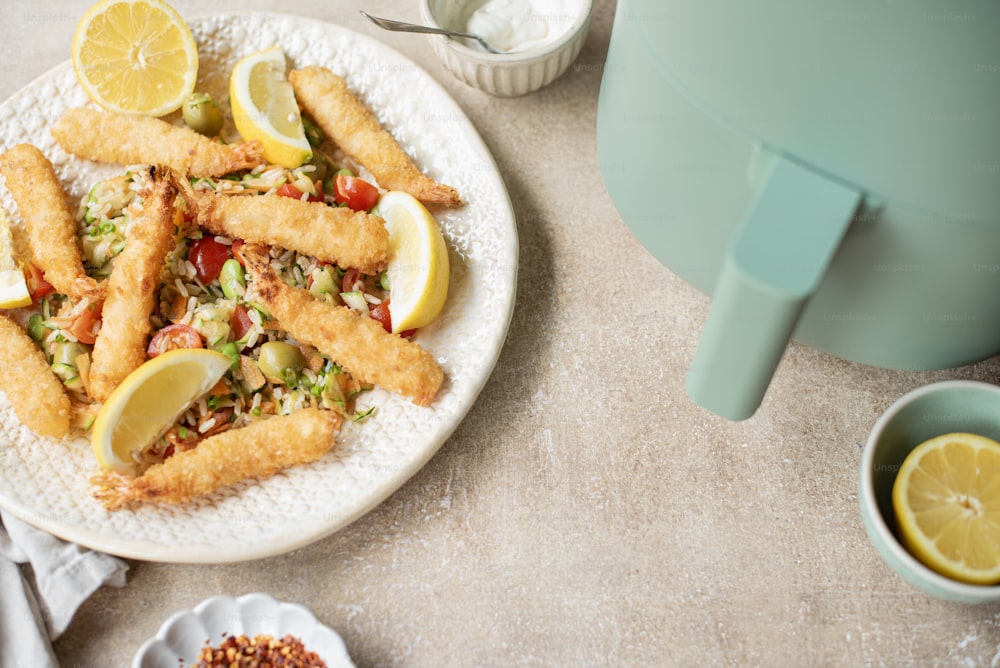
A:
[519,25]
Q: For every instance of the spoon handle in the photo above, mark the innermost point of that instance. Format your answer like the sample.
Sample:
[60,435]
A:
[400,26]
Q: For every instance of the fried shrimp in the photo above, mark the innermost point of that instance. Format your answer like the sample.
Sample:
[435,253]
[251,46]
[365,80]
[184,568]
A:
[331,234]
[259,450]
[120,347]
[36,394]
[359,344]
[109,137]
[326,97]
[52,230]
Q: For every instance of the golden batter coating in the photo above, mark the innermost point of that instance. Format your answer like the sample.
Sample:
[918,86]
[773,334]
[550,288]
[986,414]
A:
[104,136]
[352,126]
[259,450]
[52,229]
[120,347]
[37,395]
[331,234]
[359,344]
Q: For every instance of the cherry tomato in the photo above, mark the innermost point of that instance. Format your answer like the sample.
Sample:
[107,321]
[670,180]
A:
[84,326]
[174,336]
[380,312]
[240,323]
[356,193]
[38,287]
[288,190]
[208,255]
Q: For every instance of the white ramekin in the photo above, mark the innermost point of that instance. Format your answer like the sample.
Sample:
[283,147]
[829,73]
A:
[508,74]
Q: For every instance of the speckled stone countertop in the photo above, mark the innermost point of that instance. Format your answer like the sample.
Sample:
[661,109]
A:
[585,512]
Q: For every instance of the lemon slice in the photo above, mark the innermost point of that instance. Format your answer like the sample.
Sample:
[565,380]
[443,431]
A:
[135,56]
[418,261]
[13,289]
[946,499]
[149,401]
[264,108]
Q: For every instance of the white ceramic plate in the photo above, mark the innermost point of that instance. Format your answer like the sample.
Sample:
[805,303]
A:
[184,634]
[46,483]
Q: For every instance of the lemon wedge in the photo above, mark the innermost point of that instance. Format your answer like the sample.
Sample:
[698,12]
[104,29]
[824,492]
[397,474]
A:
[946,500]
[418,261]
[13,289]
[264,108]
[135,56]
[150,400]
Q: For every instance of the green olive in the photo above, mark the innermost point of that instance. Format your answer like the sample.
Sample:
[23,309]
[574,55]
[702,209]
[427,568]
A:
[280,361]
[202,115]
[36,327]
[324,166]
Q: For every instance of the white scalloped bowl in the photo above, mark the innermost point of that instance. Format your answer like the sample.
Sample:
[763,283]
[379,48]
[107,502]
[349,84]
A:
[182,636]
[505,74]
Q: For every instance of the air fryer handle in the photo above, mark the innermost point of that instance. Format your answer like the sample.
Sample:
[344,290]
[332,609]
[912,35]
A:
[774,264]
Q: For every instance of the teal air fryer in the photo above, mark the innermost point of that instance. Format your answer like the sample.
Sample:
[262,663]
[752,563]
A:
[827,172]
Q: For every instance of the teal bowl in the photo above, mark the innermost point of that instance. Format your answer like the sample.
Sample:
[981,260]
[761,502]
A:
[926,412]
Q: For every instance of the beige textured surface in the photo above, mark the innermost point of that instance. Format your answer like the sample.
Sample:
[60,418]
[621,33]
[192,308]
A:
[585,513]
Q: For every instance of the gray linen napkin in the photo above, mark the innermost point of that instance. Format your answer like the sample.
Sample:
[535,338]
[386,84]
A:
[39,598]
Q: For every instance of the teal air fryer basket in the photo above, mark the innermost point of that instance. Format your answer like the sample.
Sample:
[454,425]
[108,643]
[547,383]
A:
[827,172]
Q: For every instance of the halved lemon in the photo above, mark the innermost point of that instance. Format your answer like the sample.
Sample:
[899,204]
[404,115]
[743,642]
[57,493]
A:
[946,499]
[264,108]
[150,400]
[418,261]
[13,289]
[135,56]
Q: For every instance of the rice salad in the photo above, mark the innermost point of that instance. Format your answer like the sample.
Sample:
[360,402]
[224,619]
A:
[207,299]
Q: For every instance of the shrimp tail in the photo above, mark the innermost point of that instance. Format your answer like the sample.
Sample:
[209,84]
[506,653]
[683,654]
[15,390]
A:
[116,490]
[247,155]
[432,192]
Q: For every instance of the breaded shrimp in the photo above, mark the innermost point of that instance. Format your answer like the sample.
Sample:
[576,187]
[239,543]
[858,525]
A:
[331,234]
[327,99]
[359,344]
[52,229]
[36,394]
[132,289]
[105,136]
[259,450]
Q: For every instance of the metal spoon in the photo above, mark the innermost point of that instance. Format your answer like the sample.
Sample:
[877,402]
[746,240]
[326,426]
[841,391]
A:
[399,26]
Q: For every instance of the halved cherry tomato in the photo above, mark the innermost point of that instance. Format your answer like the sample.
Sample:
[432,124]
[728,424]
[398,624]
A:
[380,312]
[383,314]
[356,193]
[208,255]
[174,336]
[38,287]
[240,322]
[288,190]
[84,326]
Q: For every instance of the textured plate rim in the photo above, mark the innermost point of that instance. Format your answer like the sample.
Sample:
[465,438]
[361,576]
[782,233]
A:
[109,542]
